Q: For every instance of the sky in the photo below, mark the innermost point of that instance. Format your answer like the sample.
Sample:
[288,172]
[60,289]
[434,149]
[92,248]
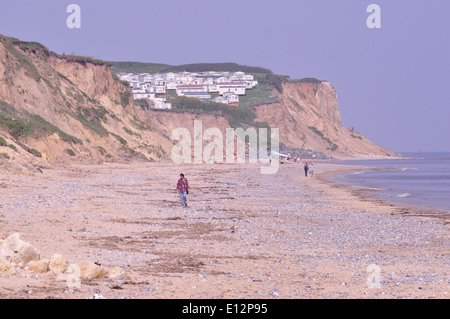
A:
[392,82]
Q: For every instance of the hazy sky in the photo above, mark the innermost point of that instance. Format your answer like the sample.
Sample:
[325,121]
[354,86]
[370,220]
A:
[393,82]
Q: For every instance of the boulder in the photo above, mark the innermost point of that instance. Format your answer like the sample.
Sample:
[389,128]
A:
[16,250]
[89,270]
[4,265]
[58,264]
[39,266]
[6,268]
[119,274]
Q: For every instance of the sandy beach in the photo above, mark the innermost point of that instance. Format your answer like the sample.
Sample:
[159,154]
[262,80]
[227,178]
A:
[243,234]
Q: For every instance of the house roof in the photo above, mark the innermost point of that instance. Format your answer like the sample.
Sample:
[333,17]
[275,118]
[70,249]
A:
[232,83]
[196,93]
[192,85]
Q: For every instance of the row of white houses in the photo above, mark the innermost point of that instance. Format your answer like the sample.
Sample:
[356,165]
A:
[226,86]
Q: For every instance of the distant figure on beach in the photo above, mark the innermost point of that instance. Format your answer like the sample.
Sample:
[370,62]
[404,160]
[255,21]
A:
[183,189]
[306,169]
[311,169]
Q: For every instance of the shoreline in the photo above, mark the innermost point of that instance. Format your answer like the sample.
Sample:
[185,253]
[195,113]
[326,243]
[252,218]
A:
[370,195]
[243,234]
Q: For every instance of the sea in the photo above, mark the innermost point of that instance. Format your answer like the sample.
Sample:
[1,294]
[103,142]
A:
[419,179]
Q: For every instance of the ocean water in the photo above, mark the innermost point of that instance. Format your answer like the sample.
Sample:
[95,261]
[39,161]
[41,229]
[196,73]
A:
[421,179]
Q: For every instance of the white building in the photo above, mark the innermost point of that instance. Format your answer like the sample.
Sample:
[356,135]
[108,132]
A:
[237,88]
[160,89]
[223,79]
[231,98]
[171,85]
[213,88]
[198,95]
[162,105]
[183,89]
[229,86]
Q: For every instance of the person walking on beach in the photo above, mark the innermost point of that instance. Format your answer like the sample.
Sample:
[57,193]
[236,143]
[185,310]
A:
[306,169]
[311,169]
[183,189]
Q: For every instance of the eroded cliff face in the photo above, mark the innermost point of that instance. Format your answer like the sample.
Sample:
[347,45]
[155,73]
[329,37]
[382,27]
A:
[59,109]
[308,116]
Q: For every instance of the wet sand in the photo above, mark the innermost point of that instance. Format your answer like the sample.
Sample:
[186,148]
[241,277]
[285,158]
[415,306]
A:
[243,234]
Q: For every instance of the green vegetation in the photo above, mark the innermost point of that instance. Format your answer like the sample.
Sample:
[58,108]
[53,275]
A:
[143,103]
[333,147]
[125,96]
[261,94]
[91,119]
[137,67]
[3,143]
[141,126]
[23,123]
[29,149]
[79,98]
[81,59]
[13,147]
[306,80]
[62,76]
[120,139]
[295,103]
[30,46]
[101,150]
[236,116]
[24,61]
[70,151]
[48,83]
[131,132]
[5,155]
[128,130]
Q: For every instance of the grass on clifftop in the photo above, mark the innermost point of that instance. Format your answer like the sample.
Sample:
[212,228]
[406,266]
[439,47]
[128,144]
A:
[236,116]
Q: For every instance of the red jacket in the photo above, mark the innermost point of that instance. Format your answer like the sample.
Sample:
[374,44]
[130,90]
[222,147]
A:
[182,185]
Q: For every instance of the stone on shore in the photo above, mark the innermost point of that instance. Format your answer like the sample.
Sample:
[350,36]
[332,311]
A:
[58,264]
[6,268]
[17,250]
[4,265]
[39,266]
[89,270]
[118,273]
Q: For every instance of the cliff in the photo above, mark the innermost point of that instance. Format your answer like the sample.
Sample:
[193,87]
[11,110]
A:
[308,116]
[56,109]
[61,109]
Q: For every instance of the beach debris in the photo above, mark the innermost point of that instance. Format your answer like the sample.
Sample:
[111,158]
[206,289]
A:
[16,250]
[89,270]
[118,273]
[39,266]
[58,264]
[18,256]
[6,268]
